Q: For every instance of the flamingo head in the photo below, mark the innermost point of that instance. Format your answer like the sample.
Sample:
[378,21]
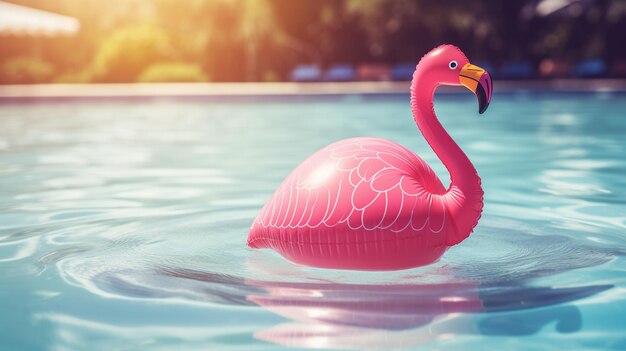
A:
[448,65]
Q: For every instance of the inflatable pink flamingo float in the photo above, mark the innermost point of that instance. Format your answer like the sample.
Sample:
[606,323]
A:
[371,204]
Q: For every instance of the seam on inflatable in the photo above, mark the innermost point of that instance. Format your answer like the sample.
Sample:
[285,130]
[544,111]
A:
[269,239]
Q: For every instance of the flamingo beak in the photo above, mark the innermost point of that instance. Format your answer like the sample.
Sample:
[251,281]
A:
[478,81]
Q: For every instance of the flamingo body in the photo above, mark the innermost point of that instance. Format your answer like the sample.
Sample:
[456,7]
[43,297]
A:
[372,204]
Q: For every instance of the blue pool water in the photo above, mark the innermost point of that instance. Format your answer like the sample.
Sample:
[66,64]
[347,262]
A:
[123,227]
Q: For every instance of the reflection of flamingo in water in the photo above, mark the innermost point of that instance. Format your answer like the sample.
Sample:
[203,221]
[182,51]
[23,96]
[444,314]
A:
[372,204]
[362,316]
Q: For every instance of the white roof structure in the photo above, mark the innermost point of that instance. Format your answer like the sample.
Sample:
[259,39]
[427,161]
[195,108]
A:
[19,20]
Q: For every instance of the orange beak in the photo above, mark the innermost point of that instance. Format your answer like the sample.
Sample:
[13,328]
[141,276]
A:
[479,82]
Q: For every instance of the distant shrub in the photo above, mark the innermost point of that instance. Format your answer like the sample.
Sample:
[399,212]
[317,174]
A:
[124,54]
[173,72]
[26,70]
[271,76]
[74,77]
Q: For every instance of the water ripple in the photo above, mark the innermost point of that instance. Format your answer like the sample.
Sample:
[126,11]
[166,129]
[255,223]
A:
[130,220]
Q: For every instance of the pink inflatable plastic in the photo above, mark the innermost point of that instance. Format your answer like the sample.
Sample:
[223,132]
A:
[372,204]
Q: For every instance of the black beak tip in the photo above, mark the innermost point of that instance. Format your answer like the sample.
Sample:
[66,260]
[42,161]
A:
[483,99]
[483,108]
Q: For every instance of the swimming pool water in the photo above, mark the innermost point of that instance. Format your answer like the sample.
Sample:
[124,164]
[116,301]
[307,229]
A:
[123,227]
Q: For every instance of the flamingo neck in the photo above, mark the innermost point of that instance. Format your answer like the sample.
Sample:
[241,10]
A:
[450,154]
[465,187]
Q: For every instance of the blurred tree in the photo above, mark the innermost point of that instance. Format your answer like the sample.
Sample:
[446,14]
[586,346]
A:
[232,37]
[616,27]
[172,72]
[256,27]
[239,40]
[403,30]
[26,70]
[124,54]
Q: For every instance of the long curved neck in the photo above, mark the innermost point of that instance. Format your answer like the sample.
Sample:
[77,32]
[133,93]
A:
[465,186]
[455,160]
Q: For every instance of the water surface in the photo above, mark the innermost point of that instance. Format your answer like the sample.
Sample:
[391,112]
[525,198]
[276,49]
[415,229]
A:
[123,226]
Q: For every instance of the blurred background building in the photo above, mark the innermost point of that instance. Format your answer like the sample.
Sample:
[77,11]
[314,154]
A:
[83,41]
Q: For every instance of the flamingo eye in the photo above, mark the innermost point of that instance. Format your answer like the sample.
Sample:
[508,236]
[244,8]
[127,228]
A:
[453,64]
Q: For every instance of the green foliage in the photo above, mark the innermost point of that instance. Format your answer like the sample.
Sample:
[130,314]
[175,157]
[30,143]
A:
[83,76]
[256,40]
[125,53]
[173,72]
[271,76]
[26,70]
